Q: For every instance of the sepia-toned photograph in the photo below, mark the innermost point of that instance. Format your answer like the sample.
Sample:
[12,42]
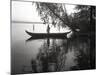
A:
[52,37]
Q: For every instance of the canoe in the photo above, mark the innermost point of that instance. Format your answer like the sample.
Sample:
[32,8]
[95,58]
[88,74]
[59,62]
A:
[43,35]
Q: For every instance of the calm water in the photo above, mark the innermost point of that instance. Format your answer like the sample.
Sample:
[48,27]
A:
[48,55]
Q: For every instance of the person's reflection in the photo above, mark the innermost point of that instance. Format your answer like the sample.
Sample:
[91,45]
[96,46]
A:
[48,42]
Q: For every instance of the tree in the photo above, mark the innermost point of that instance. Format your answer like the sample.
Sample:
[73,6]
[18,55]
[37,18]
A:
[54,13]
[84,18]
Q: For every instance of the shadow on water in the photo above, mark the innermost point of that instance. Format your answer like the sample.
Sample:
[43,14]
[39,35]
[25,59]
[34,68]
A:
[63,55]
[36,38]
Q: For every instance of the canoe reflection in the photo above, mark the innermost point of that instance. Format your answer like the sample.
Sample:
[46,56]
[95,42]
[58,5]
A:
[36,38]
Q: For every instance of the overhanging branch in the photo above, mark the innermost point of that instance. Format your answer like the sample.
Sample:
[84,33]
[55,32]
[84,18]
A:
[59,17]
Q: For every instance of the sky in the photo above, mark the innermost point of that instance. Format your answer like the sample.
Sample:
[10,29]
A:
[25,11]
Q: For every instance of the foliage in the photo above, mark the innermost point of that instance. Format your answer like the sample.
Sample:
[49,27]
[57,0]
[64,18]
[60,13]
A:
[84,18]
[53,13]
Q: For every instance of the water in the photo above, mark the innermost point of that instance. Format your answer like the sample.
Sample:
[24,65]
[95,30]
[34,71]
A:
[48,55]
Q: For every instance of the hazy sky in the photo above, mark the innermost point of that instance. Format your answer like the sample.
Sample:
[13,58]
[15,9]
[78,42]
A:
[25,11]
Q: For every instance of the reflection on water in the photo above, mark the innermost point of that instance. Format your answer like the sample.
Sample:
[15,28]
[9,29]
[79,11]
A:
[49,55]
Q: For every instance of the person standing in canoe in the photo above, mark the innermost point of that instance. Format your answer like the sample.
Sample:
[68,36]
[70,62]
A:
[33,27]
[48,29]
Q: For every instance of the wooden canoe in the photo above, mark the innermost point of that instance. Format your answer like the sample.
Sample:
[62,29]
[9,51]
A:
[43,35]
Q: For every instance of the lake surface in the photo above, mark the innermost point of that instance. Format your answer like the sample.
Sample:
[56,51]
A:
[48,55]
